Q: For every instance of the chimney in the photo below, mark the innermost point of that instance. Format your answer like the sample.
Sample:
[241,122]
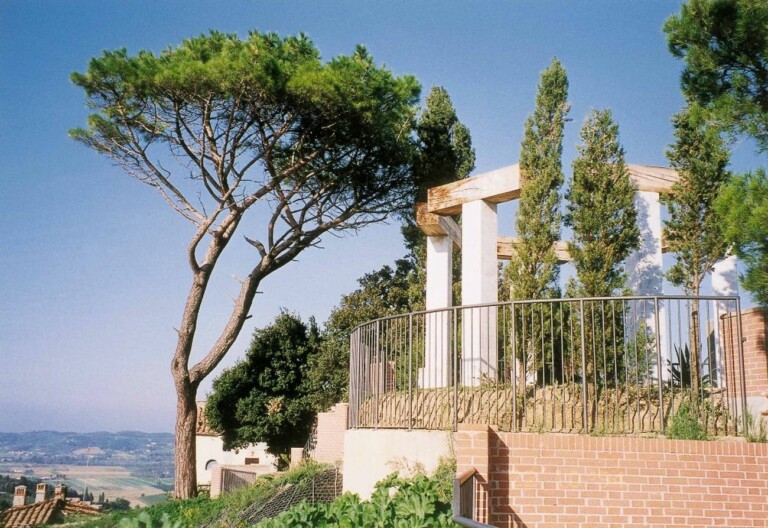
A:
[42,493]
[60,492]
[19,496]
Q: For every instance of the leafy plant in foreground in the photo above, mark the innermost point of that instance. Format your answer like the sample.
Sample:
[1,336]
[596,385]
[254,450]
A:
[396,502]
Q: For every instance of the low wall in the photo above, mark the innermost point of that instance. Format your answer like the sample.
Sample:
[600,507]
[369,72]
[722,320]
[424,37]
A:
[372,454]
[331,426]
[537,480]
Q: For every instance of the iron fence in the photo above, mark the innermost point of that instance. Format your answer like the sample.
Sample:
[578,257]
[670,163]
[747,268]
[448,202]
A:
[611,365]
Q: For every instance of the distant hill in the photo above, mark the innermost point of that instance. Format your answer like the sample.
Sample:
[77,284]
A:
[59,442]
[143,453]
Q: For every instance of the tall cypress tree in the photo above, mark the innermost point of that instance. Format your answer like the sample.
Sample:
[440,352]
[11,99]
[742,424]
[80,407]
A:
[533,273]
[445,147]
[601,209]
[694,229]
[445,155]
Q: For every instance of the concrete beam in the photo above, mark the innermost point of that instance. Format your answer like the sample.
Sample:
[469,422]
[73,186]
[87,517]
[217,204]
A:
[497,186]
[505,249]
[650,178]
[435,225]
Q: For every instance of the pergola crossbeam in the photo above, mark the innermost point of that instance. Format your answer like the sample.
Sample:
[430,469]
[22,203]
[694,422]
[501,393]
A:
[498,186]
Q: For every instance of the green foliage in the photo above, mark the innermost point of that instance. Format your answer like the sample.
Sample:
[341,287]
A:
[381,293]
[143,520]
[685,425]
[444,154]
[117,504]
[533,272]
[724,44]
[266,397]
[743,205]
[220,124]
[396,502]
[693,230]
[445,146]
[681,370]
[601,209]
[756,431]
[225,511]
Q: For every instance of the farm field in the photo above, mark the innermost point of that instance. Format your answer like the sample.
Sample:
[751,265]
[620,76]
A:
[113,481]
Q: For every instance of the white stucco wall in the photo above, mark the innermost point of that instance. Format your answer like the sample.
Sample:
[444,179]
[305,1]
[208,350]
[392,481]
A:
[372,454]
[212,448]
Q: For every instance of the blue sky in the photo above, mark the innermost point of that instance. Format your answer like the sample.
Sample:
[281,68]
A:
[93,275]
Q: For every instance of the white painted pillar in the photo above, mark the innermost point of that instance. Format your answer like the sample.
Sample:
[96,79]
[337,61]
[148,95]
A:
[725,277]
[437,355]
[644,267]
[725,281]
[644,264]
[479,270]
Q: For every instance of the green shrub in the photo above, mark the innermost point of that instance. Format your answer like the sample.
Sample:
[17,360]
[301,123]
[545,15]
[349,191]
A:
[685,425]
[420,501]
[144,520]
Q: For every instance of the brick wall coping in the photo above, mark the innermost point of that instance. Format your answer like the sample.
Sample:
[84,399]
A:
[729,446]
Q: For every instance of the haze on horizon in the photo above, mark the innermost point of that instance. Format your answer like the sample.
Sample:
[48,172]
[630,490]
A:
[94,274]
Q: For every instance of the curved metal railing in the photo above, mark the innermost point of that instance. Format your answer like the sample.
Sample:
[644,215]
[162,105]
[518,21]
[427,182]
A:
[605,365]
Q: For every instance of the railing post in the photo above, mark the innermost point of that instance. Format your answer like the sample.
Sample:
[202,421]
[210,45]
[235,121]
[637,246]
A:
[455,371]
[377,355]
[584,403]
[514,369]
[740,339]
[410,371]
[662,421]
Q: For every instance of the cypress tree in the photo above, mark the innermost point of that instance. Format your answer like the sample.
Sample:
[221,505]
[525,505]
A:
[601,209]
[445,155]
[533,273]
[694,229]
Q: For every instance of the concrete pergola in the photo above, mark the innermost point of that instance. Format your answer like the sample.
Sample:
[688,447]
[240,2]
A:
[476,199]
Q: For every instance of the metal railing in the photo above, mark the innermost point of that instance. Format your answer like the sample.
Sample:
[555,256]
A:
[608,365]
[470,500]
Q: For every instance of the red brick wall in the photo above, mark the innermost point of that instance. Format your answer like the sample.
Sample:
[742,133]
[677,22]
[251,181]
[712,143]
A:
[582,481]
[754,323]
[331,426]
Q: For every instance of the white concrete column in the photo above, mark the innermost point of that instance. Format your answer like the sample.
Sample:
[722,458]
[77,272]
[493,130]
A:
[437,355]
[725,277]
[644,269]
[479,270]
[644,264]
[725,281]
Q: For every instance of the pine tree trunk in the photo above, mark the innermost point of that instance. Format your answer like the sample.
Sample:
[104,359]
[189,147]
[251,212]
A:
[185,476]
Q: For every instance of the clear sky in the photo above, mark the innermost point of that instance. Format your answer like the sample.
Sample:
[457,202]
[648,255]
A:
[93,276]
